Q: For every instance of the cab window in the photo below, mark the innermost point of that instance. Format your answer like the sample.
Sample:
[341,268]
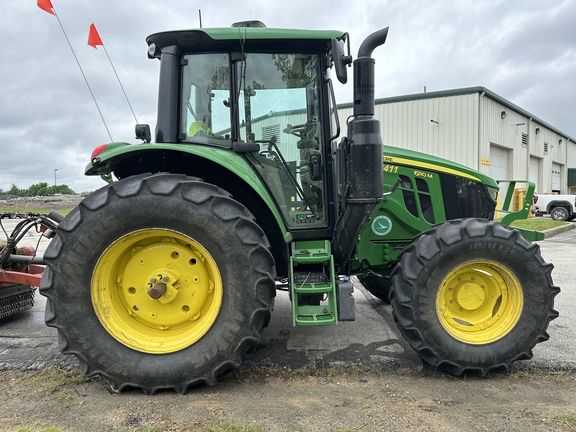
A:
[205,105]
[279,108]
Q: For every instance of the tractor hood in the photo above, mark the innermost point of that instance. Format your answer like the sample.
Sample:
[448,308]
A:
[394,155]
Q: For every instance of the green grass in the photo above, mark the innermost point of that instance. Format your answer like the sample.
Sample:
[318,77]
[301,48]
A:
[538,224]
[55,378]
[566,420]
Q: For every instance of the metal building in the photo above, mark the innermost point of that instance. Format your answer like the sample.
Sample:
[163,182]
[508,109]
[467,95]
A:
[480,129]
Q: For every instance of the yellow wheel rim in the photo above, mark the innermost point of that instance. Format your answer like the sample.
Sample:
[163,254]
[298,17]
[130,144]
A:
[156,291]
[479,302]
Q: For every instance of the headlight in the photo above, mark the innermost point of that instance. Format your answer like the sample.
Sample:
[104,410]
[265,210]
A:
[152,51]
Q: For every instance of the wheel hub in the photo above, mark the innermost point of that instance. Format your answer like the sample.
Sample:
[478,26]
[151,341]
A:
[470,296]
[157,291]
[162,284]
[168,309]
[479,302]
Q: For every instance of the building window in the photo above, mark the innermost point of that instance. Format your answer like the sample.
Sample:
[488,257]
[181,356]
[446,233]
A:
[269,131]
[524,140]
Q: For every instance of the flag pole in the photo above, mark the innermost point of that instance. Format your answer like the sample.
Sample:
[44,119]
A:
[94,40]
[82,71]
[119,82]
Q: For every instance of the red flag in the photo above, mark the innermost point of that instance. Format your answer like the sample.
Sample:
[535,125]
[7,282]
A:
[46,5]
[94,37]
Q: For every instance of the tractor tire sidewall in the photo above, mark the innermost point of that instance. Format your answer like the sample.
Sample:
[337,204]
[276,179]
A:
[559,213]
[221,225]
[435,254]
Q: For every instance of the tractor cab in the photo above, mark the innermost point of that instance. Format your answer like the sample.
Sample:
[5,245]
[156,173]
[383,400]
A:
[240,89]
[268,106]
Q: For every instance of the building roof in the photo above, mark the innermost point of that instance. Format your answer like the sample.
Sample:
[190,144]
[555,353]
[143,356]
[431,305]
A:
[466,91]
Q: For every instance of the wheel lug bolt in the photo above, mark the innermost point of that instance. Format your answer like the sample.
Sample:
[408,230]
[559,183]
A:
[152,280]
[165,279]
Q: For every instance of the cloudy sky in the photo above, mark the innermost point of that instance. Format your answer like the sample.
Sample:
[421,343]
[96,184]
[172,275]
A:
[524,50]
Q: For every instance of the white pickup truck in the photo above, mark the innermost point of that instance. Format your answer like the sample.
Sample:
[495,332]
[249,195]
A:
[559,207]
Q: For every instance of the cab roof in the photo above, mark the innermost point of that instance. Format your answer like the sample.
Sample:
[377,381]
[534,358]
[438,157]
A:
[221,38]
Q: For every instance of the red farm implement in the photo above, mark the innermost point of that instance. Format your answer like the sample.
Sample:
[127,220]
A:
[20,267]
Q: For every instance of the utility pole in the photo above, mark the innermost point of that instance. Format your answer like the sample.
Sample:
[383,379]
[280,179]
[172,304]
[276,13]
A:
[55,169]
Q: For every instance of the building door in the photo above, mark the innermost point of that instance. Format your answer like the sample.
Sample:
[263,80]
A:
[499,163]
[556,177]
[499,169]
[534,172]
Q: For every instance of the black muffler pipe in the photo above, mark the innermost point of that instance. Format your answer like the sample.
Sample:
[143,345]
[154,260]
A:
[364,73]
[360,155]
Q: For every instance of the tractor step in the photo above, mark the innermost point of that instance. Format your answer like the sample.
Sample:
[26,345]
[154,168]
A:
[312,284]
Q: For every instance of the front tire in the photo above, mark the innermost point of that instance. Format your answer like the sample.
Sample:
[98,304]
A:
[158,282]
[473,296]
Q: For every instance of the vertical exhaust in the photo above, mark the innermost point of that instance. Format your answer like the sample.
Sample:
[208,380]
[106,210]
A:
[360,155]
[364,74]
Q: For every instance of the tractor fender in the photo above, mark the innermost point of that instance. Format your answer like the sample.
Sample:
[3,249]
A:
[219,166]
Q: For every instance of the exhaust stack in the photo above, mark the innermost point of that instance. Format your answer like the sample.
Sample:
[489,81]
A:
[359,155]
[364,73]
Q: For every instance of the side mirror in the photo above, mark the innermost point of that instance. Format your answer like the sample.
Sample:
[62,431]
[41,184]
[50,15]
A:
[340,59]
[143,132]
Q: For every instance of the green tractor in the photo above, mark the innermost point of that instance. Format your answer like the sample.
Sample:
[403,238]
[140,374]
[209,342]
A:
[165,277]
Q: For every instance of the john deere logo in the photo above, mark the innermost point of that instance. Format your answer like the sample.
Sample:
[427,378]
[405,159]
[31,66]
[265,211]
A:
[381,225]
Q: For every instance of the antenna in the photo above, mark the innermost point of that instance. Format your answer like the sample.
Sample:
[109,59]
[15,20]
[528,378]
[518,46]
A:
[200,16]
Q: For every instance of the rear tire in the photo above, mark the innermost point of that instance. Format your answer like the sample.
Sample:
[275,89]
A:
[559,213]
[472,295]
[158,282]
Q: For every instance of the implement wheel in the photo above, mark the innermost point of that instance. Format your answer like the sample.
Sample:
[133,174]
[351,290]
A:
[473,296]
[158,282]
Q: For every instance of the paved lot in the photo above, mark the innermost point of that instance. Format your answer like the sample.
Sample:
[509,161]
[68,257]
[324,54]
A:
[27,343]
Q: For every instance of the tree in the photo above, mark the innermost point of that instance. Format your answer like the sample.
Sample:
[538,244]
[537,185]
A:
[14,190]
[62,189]
[38,189]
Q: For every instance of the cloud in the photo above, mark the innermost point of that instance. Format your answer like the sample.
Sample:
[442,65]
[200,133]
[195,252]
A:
[523,50]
